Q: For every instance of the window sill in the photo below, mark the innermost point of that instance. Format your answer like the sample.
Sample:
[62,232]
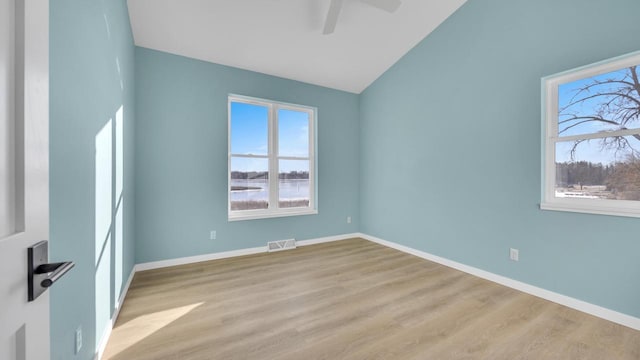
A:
[251,215]
[599,210]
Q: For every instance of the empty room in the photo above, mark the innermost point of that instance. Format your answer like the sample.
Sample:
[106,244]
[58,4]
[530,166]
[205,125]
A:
[319,179]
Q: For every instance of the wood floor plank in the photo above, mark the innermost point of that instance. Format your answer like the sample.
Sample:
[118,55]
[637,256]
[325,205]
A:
[351,299]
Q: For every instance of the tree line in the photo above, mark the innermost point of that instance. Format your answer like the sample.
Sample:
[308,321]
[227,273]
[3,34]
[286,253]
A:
[622,179]
[256,175]
[583,173]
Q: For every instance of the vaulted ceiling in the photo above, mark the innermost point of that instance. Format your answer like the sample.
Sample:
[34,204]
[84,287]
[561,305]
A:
[285,37]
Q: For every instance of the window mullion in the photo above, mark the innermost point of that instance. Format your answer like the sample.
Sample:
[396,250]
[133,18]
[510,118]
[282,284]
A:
[293,158]
[599,135]
[250,156]
[273,158]
[311,158]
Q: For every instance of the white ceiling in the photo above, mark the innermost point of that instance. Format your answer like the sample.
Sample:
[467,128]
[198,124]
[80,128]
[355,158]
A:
[284,37]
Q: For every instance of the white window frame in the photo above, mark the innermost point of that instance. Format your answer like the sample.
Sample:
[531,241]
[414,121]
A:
[550,137]
[273,157]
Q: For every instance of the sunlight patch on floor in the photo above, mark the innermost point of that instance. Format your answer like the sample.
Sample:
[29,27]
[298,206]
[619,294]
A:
[143,326]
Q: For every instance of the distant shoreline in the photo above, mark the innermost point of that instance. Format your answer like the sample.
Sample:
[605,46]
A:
[263,204]
[244,188]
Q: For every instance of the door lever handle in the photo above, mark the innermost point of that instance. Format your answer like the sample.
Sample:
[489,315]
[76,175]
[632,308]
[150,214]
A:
[56,270]
[41,273]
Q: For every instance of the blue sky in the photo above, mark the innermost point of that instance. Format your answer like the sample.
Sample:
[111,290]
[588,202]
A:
[591,150]
[249,135]
[249,129]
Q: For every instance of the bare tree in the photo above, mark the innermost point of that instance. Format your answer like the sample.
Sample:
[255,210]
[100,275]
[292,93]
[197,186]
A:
[624,182]
[613,102]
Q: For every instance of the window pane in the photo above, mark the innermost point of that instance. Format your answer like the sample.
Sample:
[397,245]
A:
[293,183]
[606,102]
[606,168]
[249,129]
[249,183]
[293,133]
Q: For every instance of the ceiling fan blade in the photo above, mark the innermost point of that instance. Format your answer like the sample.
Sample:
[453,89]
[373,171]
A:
[332,16]
[386,5]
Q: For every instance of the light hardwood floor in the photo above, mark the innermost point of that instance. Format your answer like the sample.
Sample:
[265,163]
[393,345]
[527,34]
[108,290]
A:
[351,299]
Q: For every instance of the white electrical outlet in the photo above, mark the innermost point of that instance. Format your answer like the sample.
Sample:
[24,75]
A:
[78,339]
[348,219]
[213,235]
[514,254]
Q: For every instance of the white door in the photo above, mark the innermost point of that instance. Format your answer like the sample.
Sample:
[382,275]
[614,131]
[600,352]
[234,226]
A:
[24,173]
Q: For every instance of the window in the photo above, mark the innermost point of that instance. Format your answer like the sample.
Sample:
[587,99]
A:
[591,120]
[271,159]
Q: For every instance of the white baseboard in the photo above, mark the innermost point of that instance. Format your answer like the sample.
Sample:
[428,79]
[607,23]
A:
[233,253]
[198,258]
[106,334]
[327,239]
[595,310]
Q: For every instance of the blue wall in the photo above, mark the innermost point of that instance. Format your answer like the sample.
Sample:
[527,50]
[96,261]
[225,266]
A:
[181,158]
[91,135]
[450,148]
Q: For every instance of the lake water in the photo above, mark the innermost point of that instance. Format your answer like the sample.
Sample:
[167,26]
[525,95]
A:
[295,189]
